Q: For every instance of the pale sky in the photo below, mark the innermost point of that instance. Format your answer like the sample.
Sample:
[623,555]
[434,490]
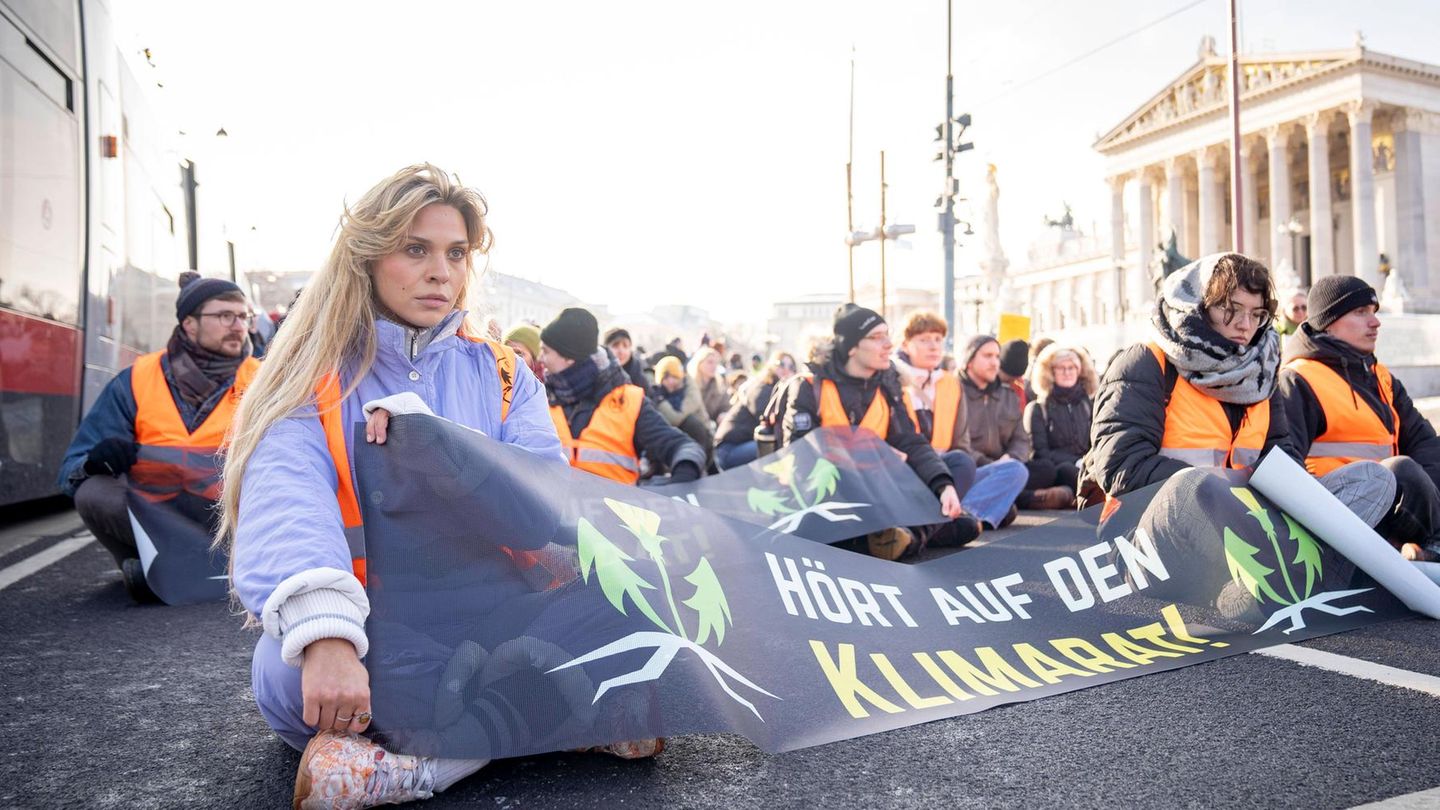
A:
[646,153]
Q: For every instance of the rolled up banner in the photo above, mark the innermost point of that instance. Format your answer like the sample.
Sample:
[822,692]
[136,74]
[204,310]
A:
[1299,495]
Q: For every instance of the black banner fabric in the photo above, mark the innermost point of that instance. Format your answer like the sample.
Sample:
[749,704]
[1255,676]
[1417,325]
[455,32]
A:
[519,607]
[171,498]
[834,484]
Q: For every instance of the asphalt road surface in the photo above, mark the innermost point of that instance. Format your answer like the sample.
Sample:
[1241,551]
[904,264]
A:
[110,704]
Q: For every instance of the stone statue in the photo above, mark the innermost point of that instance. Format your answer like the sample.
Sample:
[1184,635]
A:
[1065,223]
[1174,259]
[994,264]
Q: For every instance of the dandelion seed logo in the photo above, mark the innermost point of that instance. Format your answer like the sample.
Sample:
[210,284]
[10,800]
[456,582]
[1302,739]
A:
[1293,593]
[620,583]
[792,506]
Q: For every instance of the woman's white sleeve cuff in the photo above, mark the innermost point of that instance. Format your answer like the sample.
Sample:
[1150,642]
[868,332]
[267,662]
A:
[315,604]
[397,404]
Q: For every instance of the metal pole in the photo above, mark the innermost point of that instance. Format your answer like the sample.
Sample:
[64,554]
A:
[849,187]
[850,228]
[882,234]
[948,229]
[1237,159]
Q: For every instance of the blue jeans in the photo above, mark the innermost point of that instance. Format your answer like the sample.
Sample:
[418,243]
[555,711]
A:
[995,485]
[735,454]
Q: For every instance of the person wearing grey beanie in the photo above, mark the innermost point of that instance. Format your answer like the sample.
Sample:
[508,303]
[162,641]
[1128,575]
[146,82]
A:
[1345,409]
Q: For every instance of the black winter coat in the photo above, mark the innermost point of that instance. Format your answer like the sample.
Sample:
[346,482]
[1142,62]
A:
[1129,424]
[1059,426]
[795,411]
[1307,419]
[738,424]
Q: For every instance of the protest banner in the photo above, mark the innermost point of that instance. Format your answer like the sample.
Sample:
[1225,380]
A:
[171,500]
[521,607]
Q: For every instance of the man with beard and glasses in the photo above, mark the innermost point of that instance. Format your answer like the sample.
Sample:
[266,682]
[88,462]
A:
[183,397]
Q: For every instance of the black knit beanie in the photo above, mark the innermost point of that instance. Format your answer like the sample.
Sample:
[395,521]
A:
[1335,296]
[852,324]
[1015,357]
[195,290]
[574,333]
[973,345]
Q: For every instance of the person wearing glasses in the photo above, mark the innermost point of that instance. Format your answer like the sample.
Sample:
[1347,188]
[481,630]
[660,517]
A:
[1199,394]
[183,396]
[735,444]
[1343,406]
[1295,308]
[1204,392]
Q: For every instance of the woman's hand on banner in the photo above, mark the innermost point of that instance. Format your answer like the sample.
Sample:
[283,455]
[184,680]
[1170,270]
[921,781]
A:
[376,426]
[335,686]
[950,503]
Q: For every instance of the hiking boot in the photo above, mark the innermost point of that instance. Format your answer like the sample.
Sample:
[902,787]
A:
[958,532]
[342,770]
[1061,497]
[132,573]
[889,544]
[630,749]
[1415,552]
[1236,603]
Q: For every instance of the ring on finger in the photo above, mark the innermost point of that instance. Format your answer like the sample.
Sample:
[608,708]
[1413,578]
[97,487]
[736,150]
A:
[343,719]
[362,718]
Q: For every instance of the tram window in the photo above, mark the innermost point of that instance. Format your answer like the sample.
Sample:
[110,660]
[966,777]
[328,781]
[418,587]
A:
[31,63]
[56,24]
[40,227]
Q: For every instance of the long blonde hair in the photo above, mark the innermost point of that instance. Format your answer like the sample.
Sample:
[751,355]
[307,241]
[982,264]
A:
[332,324]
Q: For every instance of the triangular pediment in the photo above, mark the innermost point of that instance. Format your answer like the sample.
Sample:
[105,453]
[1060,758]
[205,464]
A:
[1203,89]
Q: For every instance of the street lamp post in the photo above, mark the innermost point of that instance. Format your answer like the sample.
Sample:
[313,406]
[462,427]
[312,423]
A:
[950,131]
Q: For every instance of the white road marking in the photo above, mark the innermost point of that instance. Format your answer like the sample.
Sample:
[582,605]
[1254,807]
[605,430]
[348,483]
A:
[1423,800]
[1355,668]
[13,574]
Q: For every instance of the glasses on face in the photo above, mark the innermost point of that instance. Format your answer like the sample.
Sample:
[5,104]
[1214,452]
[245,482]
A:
[1229,313]
[228,319]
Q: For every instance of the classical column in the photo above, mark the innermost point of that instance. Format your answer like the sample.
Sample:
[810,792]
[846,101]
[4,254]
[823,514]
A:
[1142,291]
[1250,198]
[1362,192]
[1277,139]
[1322,219]
[1117,219]
[1174,202]
[1411,249]
[1208,203]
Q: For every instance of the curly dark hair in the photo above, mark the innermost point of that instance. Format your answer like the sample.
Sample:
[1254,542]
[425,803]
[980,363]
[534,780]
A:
[1234,271]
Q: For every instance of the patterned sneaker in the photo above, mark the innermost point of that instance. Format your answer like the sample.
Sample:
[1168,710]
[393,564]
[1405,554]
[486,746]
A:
[889,544]
[341,770]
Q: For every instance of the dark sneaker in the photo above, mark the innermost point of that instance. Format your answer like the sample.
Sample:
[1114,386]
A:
[132,573]
[1236,603]
[958,532]
[889,544]
[1061,497]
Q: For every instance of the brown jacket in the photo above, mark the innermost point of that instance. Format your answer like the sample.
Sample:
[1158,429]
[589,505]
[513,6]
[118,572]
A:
[993,424]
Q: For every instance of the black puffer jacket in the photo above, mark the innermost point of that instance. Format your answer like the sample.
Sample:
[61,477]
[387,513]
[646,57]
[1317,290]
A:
[1059,425]
[1307,419]
[738,424]
[1129,423]
[795,410]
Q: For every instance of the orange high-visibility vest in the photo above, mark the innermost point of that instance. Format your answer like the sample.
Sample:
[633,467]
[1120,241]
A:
[947,409]
[606,447]
[178,459]
[1197,431]
[876,418]
[1353,431]
[327,400]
